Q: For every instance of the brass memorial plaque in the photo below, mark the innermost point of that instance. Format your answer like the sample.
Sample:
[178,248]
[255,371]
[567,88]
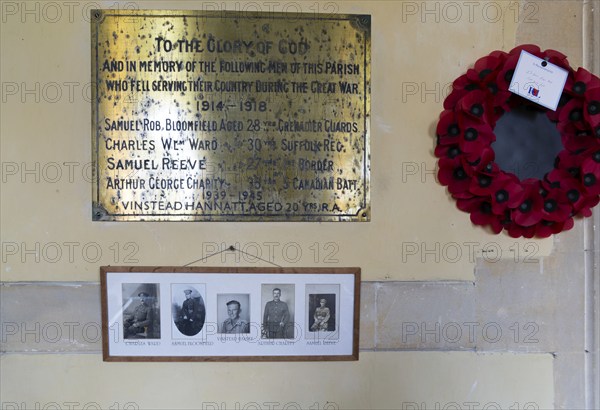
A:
[230,116]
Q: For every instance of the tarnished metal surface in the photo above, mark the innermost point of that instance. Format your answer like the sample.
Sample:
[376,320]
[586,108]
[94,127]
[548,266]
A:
[226,116]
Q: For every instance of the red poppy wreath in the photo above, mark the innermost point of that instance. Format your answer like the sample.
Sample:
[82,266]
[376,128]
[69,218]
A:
[499,199]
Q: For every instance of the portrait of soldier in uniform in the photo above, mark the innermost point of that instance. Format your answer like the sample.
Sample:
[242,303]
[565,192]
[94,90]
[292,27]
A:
[233,313]
[321,316]
[234,324]
[322,319]
[140,315]
[277,319]
[189,314]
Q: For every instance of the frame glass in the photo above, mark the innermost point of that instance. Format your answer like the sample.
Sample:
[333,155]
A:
[229,314]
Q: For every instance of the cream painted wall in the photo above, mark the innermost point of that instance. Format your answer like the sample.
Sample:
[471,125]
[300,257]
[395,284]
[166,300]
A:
[378,381]
[48,235]
[415,233]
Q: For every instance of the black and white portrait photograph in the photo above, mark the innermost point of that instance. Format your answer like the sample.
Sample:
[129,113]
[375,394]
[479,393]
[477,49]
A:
[188,308]
[141,311]
[233,313]
[322,311]
[278,311]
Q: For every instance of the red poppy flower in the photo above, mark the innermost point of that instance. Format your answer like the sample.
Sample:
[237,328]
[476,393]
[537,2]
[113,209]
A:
[591,107]
[476,137]
[556,178]
[485,71]
[547,228]
[473,162]
[592,162]
[581,203]
[588,203]
[485,177]
[487,65]
[556,206]
[590,174]
[505,75]
[482,162]
[447,151]
[505,192]
[569,162]
[517,231]
[580,82]
[452,174]
[570,118]
[481,212]
[578,141]
[481,185]
[460,87]
[477,108]
[529,211]
[448,124]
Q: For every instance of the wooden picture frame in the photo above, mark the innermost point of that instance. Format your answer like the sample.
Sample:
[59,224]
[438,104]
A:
[153,313]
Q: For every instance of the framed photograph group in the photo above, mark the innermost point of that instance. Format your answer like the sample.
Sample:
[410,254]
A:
[229,314]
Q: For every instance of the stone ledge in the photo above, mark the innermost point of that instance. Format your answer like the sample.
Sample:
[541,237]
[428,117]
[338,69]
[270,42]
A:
[57,317]
[52,317]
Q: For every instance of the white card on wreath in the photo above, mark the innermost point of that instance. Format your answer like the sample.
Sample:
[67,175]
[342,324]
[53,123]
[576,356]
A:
[538,80]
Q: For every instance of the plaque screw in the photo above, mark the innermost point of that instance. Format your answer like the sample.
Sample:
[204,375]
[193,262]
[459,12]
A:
[97,15]
[364,215]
